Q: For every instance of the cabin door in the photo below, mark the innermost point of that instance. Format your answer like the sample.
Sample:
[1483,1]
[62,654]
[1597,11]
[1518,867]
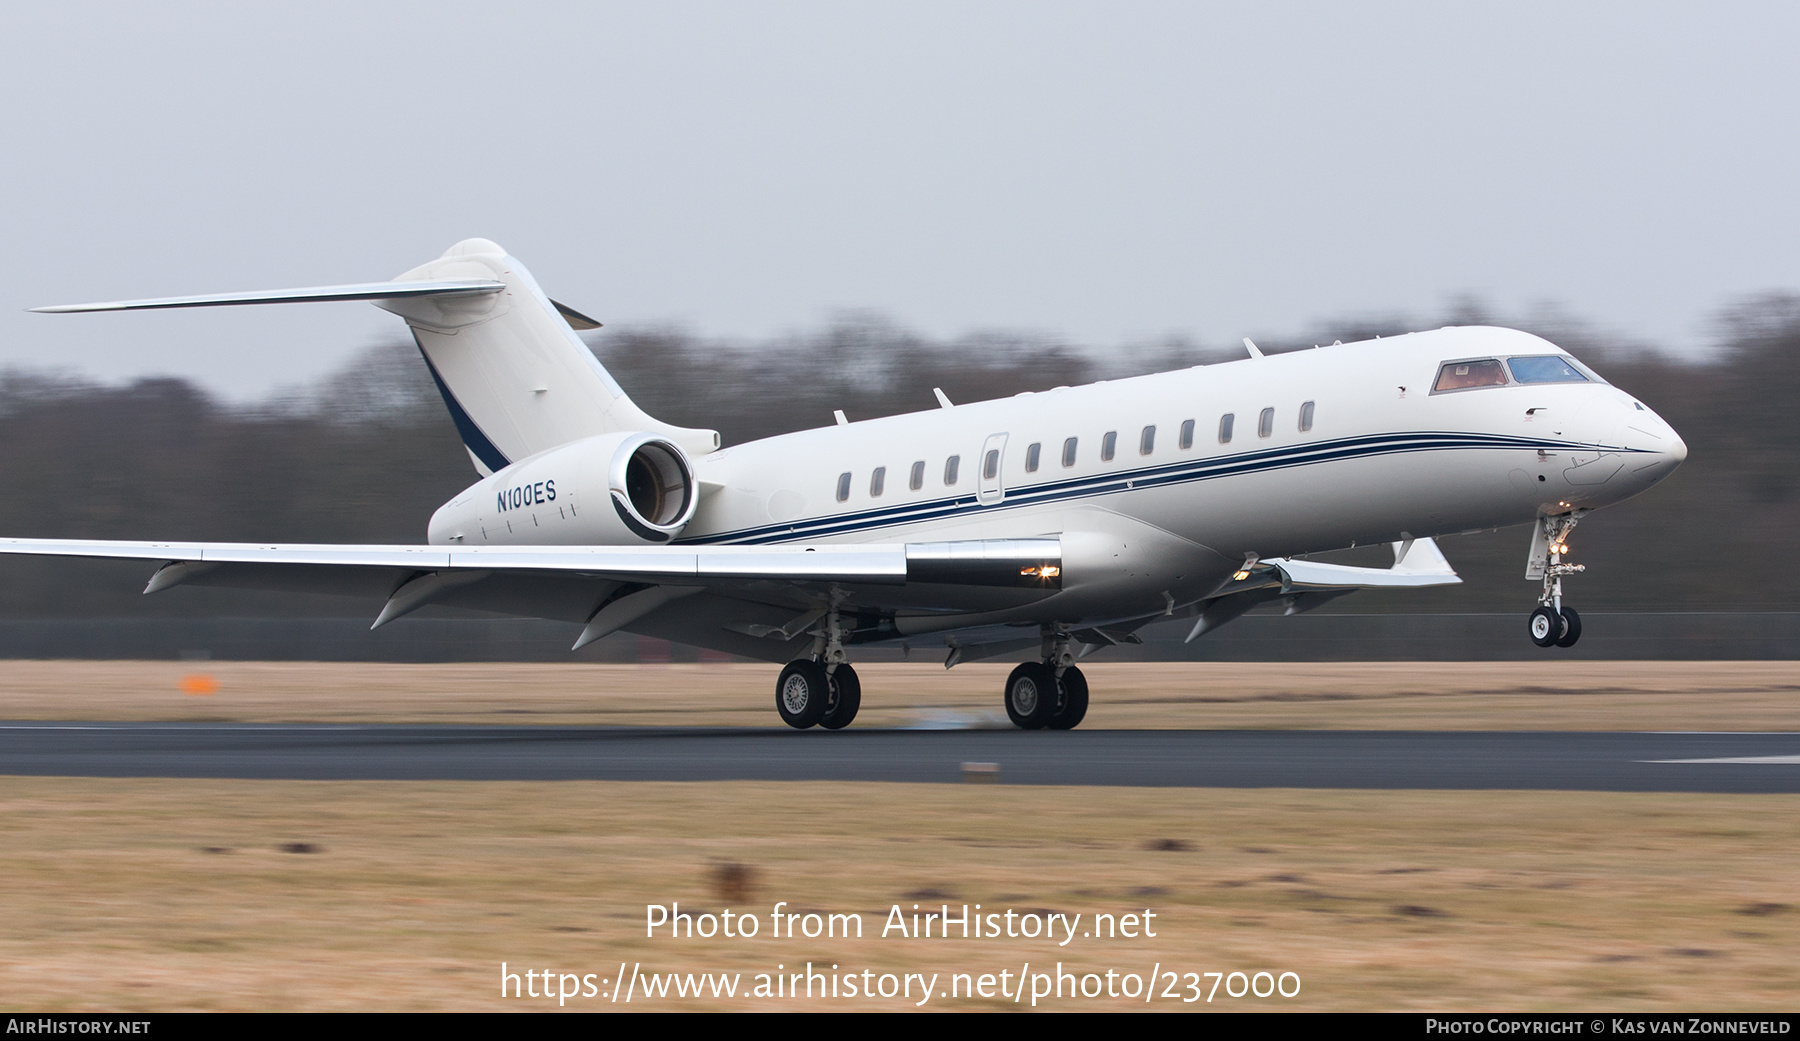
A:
[991,465]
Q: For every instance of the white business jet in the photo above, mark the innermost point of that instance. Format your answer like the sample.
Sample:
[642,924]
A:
[1063,520]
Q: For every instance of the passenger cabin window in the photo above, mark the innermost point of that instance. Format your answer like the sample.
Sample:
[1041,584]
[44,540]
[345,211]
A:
[1031,457]
[990,465]
[1107,444]
[1187,435]
[843,486]
[1147,441]
[950,467]
[1306,414]
[1225,422]
[1069,452]
[1266,424]
[1545,369]
[918,475]
[1464,375]
[877,481]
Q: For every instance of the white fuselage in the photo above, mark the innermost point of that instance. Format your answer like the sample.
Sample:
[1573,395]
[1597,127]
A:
[1160,522]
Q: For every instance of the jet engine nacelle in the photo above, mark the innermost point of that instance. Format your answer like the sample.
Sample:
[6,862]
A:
[613,489]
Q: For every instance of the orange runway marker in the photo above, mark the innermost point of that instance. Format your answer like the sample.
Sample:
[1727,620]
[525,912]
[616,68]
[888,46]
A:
[198,685]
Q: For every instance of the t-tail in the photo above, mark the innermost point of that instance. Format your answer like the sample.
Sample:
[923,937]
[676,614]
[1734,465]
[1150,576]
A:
[505,357]
[516,378]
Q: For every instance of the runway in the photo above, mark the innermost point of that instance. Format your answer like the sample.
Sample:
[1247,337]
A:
[1571,760]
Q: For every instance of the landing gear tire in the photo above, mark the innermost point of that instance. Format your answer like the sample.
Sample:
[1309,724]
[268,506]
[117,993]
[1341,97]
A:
[1571,628]
[802,694]
[1546,627]
[1071,702]
[1031,695]
[846,698]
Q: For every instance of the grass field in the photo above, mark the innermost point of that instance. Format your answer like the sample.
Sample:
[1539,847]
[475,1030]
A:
[201,894]
[186,894]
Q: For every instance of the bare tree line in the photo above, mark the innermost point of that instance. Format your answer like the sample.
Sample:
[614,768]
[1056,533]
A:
[366,454]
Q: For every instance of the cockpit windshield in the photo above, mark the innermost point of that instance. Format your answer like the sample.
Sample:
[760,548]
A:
[1462,375]
[1490,372]
[1548,368]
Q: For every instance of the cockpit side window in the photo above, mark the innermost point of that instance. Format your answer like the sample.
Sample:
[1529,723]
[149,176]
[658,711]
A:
[1548,368]
[1464,375]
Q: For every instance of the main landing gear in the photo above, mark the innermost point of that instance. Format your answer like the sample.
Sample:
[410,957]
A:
[821,690]
[1553,624]
[1037,698]
[1051,694]
[811,693]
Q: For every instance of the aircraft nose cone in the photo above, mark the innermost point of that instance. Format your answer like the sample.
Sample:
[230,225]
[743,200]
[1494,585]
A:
[1656,450]
[1667,453]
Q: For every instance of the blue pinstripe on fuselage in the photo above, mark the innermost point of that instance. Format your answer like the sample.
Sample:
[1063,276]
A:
[1180,472]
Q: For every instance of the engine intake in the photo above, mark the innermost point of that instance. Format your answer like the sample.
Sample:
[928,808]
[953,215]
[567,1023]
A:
[613,489]
[652,489]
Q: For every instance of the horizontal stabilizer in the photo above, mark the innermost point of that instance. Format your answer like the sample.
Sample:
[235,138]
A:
[312,294]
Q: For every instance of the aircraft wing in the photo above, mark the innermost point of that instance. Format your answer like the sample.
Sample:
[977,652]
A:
[860,563]
[988,562]
[609,587]
[1305,584]
[1417,563]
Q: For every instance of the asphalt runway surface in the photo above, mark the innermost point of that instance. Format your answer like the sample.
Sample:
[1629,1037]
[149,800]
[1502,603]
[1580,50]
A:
[1572,760]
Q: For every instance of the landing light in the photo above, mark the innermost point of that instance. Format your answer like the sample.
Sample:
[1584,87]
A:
[1046,571]
[1241,575]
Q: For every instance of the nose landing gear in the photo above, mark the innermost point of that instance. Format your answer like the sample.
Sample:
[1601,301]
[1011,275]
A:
[1553,624]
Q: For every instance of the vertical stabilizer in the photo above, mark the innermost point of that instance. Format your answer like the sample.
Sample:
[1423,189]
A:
[516,378]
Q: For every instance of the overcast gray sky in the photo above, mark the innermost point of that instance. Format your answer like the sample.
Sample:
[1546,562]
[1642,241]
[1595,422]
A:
[1105,173]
